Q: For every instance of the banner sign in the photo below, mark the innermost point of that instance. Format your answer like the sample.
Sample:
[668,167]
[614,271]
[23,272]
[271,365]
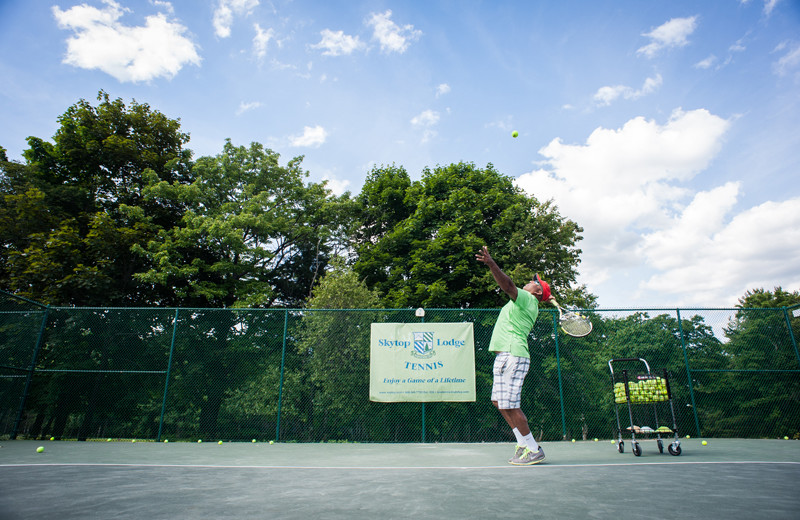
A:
[421,362]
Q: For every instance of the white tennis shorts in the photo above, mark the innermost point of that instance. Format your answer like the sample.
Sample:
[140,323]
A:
[509,373]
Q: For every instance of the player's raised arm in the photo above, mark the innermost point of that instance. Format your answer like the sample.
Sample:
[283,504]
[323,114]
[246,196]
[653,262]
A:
[502,279]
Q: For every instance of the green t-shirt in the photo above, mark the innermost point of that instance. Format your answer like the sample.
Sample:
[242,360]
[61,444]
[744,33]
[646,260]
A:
[515,322]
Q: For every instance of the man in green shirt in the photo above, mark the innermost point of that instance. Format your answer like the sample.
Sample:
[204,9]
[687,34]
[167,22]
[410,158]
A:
[510,343]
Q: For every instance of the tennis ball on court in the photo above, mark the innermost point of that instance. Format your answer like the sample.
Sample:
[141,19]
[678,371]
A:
[166,440]
[199,441]
[271,442]
[133,440]
[40,449]
[704,443]
[596,439]
[220,442]
[253,440]
[573,440]
[514,134]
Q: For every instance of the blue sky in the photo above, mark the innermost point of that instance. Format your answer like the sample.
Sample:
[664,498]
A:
[667,129]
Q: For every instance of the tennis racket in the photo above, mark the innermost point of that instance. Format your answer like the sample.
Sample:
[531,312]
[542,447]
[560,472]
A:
[572,323]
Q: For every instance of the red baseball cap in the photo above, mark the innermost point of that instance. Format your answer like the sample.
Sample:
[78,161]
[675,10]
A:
[545,288]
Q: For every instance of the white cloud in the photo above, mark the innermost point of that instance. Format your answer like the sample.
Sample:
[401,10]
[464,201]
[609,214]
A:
[706,63]
[625,184]
[704,258]
[673,33]
[605,95]
[737,46]
[337,186]
[426,118]
[769,5]
[261,40]
[391,37]
[166,5]
[338,43]
[428,135]
[790,59]
[156,49]
[442,89]
[226,10]
[246,107]
[313,136]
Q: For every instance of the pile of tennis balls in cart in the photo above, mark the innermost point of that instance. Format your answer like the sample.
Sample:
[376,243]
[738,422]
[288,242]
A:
[648,390]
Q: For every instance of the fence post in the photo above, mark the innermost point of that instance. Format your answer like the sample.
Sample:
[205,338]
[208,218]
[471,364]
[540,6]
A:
[420,313]
[560,386]
[791,333]
[31,370]
[688,373]
[280,387]
[169,371]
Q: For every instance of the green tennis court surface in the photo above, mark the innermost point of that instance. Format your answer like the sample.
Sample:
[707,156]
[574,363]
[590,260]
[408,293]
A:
[728,478]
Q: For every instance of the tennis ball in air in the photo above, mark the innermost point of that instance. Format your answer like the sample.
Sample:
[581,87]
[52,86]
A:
[166,441]
[253,440]
[133,440]
[688,436]
[514,134]
[596,439]
[704,443]
[108,440]
[52,438]
[272,442]
[40,449]
[786,437]
[199,441]
[573,440]
[220,442]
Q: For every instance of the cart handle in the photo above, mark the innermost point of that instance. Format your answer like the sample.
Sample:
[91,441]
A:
[610,367]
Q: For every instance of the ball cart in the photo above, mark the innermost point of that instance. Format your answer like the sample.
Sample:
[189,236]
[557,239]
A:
[645,391]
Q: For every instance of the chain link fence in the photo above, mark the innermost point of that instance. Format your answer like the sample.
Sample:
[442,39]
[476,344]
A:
[303,375]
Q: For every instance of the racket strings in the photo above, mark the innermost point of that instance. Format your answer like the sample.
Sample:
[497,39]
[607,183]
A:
[575,324]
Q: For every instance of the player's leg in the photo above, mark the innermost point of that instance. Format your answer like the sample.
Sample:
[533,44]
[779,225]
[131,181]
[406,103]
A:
[511,409]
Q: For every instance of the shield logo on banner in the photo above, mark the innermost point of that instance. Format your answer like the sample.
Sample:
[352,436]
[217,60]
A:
[423,345]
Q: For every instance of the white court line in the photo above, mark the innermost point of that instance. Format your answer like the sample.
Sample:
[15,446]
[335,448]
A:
[389,468]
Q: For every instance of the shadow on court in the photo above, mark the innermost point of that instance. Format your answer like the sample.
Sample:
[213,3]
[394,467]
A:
[728,478]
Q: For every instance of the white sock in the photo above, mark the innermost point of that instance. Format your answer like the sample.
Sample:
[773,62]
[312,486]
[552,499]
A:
[520,438]
[530,442]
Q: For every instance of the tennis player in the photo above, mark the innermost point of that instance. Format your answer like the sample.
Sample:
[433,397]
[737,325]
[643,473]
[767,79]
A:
[512,360]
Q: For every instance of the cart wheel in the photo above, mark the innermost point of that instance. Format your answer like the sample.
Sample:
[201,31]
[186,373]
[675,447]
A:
[621,447]
[637,450]
[674,449]
[660,446]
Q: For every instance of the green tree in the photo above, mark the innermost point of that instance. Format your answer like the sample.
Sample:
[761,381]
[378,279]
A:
[253,233]
[764,361]
[335,346]
[70,216]
[427,258]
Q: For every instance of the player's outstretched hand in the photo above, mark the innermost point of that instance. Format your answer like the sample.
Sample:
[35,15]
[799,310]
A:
[483,255]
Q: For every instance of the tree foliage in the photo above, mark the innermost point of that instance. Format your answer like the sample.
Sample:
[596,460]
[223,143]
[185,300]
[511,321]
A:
[419,249]
[253,234]
[66,214]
